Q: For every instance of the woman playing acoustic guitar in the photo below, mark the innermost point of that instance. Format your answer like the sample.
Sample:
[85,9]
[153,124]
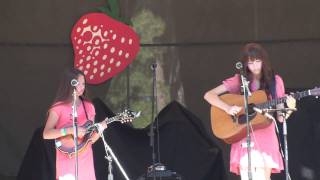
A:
[59,124]
[265,154]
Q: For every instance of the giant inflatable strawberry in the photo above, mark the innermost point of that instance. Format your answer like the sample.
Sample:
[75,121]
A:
[103,47]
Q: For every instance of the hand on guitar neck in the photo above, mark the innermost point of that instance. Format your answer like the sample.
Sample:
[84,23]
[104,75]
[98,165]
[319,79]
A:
[291,103]
[102,125]
[97,127]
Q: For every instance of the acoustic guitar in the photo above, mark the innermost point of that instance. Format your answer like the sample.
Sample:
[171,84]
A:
[66,143]
[233,128]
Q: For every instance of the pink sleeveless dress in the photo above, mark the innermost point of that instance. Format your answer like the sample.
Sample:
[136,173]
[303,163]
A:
[265,151]
[65,166]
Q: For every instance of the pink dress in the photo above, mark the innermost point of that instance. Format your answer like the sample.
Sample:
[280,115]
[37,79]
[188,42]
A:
[265,151]
[65,166]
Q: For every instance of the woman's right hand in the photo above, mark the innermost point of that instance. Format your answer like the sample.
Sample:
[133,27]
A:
[233,110]
[81,131]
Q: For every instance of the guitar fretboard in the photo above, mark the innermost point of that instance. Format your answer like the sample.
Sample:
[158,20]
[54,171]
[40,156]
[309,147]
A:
[274,102]
[109,120]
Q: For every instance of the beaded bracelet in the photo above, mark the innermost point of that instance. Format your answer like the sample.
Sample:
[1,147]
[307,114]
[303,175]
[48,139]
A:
[63,131]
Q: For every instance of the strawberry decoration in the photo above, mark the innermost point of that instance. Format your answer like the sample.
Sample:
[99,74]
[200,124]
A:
[103,47]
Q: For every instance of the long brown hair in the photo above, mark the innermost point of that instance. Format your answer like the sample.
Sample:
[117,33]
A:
[252,51]
[64,92]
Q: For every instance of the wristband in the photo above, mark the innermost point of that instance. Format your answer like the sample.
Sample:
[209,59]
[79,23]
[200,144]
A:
[63,131]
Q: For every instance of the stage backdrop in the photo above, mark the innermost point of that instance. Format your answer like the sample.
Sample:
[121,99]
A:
[195,44]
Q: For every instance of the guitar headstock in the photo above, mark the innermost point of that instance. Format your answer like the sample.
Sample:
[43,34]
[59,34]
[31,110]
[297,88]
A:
[315,92]
[128,115]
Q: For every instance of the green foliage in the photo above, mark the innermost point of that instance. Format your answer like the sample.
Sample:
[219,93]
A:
[140,75]
[148,26]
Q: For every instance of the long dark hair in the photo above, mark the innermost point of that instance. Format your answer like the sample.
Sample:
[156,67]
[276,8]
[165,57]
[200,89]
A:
[252,51]
[64,92]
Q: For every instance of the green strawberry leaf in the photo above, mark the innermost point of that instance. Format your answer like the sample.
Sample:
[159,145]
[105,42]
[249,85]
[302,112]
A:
[112,9]
[95,1]
[104,9]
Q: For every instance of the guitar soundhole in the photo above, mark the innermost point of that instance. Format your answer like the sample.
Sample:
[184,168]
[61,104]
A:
[252,115]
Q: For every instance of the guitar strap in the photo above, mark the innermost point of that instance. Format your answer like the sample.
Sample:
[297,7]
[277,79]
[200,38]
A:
[84,107]
[272,88]
[274,95]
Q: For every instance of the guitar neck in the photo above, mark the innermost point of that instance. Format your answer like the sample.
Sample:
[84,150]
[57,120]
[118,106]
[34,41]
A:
[110,120]
[107,120]
[274,102]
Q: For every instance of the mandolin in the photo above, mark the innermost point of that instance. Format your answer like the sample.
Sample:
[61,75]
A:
[66,144]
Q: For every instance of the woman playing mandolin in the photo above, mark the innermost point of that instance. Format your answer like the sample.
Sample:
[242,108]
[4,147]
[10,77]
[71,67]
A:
[59,124]
[265,154]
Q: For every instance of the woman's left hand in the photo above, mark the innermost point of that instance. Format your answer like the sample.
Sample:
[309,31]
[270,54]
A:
[291,102]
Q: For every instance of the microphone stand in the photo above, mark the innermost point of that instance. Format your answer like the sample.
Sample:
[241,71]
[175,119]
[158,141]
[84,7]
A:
[152,141]
[247,93]
[285,140]
[110,155]
[153,68]
[157,169]
[75,130]
[284,111]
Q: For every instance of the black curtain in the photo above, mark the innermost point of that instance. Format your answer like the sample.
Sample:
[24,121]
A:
[185,148]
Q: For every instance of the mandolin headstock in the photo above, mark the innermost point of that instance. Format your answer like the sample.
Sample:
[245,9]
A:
[128,115]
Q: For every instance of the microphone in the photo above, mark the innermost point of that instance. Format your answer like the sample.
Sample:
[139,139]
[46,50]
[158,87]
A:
[239,65]
[74,82]
[260,111]
[245,83]
[153,66]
